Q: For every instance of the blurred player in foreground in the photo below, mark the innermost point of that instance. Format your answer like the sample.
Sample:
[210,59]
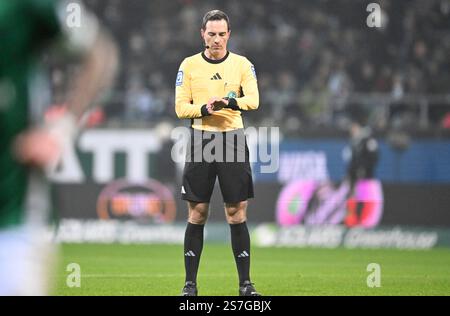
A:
[28,150]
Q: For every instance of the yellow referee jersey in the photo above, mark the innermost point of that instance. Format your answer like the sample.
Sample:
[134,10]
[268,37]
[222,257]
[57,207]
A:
[200,78]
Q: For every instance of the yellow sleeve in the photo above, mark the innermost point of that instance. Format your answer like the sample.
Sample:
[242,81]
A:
[249,84]
[183,94]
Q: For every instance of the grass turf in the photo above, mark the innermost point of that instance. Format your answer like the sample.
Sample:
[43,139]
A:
[159,270]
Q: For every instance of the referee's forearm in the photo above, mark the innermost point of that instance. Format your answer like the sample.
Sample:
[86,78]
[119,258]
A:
[248,103]
[191,111]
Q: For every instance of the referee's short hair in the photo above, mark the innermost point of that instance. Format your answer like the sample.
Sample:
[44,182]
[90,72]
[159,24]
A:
[215,15]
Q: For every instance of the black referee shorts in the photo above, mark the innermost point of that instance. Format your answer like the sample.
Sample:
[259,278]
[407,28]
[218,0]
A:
[217,154]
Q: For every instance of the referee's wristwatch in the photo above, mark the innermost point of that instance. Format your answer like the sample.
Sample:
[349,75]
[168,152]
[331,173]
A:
[232,104]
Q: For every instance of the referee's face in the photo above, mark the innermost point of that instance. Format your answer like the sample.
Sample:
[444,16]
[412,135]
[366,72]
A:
[216,36]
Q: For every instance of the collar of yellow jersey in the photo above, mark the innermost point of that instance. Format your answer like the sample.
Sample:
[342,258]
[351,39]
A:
[215,61]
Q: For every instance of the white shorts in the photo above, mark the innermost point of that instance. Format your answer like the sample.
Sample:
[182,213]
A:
[27,257]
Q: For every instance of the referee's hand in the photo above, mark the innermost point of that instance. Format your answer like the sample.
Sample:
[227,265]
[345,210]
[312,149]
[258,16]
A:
[216,104]
[220,104]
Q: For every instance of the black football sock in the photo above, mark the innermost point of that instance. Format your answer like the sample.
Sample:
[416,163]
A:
[193,245]
[240,242]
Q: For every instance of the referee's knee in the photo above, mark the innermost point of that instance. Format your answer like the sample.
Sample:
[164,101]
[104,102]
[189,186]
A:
[198,220]
[236,213]
[198,213]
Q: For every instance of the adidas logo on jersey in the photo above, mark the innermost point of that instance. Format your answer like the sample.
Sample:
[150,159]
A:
[190,253]
[243,254]
[216,77]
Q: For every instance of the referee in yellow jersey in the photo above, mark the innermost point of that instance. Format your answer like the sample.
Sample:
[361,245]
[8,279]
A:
[212,88]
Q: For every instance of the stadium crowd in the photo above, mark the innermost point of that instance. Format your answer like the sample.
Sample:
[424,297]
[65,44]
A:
[313,59]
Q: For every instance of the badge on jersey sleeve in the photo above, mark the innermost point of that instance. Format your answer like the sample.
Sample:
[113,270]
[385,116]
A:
[179,80]
[253,71]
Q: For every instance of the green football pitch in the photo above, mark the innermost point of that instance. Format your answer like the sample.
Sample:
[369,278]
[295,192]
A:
[117,269]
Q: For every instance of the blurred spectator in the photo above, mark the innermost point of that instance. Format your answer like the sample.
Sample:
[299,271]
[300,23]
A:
[446,122]
[140,104]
